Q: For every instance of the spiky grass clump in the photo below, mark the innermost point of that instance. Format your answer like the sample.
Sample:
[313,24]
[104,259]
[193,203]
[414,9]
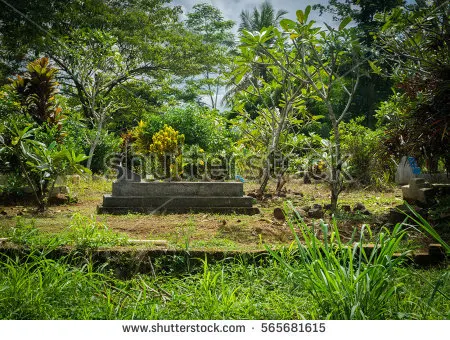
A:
[346,280]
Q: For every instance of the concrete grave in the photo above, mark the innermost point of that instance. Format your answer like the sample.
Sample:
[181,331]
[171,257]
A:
[420,191]
[406,170]
[156,197]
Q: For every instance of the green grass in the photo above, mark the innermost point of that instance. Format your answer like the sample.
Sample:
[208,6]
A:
[82,232]
[36,287]
[326,279]
[349,282]
[329,278]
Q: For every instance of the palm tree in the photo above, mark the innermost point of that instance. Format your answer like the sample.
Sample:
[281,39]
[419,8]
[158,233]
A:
[258,19]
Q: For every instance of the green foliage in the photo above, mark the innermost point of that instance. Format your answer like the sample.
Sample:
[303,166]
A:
[208,23]
[39,164]
[200,126]
[368,163]
[108,145]
[9,104]
[37,90]
[260,18]
[36,287]
[420,32]
[86,232]
[25,233]
[426,226]
[168,146]
[347,281]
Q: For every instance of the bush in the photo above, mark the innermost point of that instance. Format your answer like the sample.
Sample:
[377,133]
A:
[199,125]
[368,163]
[78,137]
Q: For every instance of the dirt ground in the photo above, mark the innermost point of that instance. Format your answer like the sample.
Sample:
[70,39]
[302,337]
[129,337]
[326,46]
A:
[212,231]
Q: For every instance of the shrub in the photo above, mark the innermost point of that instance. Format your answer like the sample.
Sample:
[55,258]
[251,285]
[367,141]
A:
[200,126]
[346,281]
[167,145]
[368,163]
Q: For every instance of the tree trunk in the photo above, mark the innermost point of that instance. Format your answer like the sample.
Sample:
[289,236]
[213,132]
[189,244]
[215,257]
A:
[95,143]
[167,166]
[265,178]
[274,147]
[336,185]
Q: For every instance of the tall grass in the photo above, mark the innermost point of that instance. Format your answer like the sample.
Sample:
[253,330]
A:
[315,278]
[426,226]
[36,287]
[346,280]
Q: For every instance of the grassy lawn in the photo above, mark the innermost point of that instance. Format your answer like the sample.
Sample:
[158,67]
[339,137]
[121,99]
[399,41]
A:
[286,284]
[204,231]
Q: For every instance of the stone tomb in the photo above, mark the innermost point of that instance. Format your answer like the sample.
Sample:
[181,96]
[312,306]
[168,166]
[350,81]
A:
[420,191]
[181,197]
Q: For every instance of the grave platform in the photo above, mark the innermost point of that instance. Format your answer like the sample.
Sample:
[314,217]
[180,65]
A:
[177,197]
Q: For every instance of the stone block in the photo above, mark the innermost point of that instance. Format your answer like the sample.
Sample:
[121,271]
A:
[406,170]
[418,190]
[151,210]
[152,197]
[176,201]
[59,190]
[189,189]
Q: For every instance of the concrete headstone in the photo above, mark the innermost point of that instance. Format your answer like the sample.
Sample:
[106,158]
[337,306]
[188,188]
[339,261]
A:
[406,170]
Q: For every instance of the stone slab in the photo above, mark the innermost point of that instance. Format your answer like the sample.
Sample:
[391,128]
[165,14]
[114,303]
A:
[176,201]
[186,189]
[150,210]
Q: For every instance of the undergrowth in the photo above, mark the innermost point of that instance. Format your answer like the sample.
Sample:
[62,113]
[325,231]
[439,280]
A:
[312,279]
[83,232]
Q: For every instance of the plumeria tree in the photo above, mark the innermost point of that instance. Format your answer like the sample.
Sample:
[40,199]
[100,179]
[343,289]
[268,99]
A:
[316,63]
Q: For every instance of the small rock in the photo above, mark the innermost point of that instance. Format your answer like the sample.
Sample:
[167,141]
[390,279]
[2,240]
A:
[252,194]
[306,179]
[279,214]
[393,217]
[316,211]
[346,208]
[359,207]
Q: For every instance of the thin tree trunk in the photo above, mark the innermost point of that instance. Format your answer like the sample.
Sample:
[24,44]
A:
[335,181]
[95,143]
[274,147]
[265,178]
